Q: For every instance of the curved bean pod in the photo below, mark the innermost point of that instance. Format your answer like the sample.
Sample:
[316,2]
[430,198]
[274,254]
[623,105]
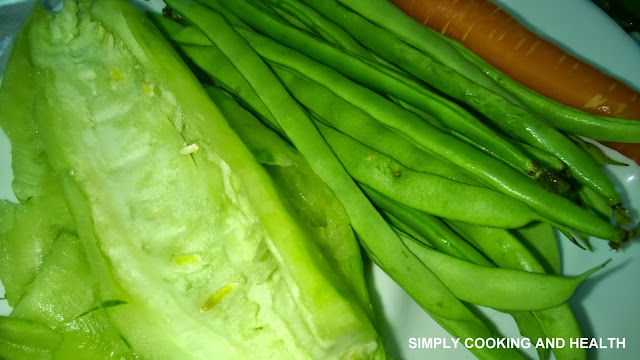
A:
[482,166]
[563,117]
[499,288]
[499,245]
[426,192]
[504,114]
[540,239]
[429,227]
[377,238]
[349,119]
[386,15]
[370,74]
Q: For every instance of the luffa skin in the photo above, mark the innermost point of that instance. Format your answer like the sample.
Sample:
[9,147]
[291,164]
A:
[184,230]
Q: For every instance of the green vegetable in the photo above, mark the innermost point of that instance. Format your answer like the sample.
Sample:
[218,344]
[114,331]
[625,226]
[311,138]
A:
[376,237]
[192,248]
[27,230]
[426,192]
[310,198]
[53,298]
[26,340]
[62,297]
[484,167]
[563,117]
[540,255]
[498,108]
[429,227]
[500,288]
[381,79]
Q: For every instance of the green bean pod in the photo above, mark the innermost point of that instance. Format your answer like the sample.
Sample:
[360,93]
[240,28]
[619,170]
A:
[563,117]
[198,48]
[429,227]
[389,17]
[426,192]
[530,327]
[482,166]
[379,241]
[499,288]
[384,80]
[544,158]
[560,321]
[499,245]
[541,242]
[322,26]
[596,152]
[287,16]
[446,51]
[504,114]
[349,119]
[527,323]
[444,239]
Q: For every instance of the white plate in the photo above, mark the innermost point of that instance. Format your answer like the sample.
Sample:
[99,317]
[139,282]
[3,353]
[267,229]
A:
[606,305]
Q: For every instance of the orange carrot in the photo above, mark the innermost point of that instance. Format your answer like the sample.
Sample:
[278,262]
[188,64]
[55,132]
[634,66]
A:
[509,46]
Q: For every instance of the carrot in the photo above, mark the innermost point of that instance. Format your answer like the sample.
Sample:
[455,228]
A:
[508,45]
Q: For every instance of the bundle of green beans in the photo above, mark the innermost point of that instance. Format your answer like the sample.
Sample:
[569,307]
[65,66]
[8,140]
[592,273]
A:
[442,169]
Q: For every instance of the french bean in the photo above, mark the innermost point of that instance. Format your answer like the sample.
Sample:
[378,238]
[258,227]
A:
[349,119]
[446,51]
[499,245]
[199,49]
[563,117]
[596,152]
[429,227]
[322,26]
[484,167]
[370,74]
[389,17]
[540,239]
[377,238]
[195,45]
[513,119]
[444,239]
[500,288]
[426,192]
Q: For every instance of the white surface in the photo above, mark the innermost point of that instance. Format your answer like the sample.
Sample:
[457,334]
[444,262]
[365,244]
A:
[606,304]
